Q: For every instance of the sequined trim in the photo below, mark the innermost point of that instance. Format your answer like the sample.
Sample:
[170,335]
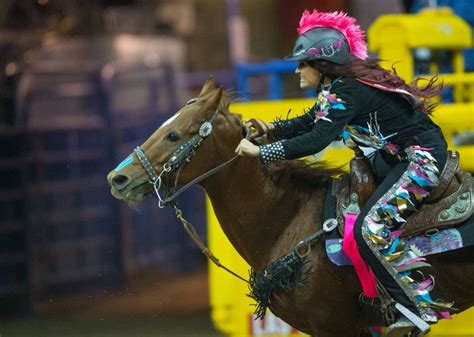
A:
[380,232]
[270,153]
[327,101]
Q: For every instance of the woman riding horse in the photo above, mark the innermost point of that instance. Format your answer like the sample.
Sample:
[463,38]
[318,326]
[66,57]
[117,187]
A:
[366,106]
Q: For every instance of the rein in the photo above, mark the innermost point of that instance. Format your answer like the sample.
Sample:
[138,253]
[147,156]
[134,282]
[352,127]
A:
[177,161]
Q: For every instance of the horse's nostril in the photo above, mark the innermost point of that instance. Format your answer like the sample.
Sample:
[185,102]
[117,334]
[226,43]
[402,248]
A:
[120,181]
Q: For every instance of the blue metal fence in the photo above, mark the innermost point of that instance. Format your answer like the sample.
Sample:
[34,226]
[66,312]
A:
[273,71]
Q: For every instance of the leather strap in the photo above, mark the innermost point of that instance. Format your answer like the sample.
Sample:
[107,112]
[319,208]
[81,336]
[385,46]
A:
[189,228]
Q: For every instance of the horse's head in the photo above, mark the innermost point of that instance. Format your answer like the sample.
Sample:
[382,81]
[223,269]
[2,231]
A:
[200,136]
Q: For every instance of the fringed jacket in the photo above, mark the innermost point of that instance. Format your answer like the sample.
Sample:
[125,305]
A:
[356,112]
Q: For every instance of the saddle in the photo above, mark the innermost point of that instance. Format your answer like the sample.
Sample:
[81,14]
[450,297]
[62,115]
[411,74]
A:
[449,203]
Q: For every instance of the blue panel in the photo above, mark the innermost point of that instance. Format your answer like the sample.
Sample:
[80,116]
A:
[274,70]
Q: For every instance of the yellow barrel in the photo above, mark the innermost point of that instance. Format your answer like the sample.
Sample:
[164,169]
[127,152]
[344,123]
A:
[394,36]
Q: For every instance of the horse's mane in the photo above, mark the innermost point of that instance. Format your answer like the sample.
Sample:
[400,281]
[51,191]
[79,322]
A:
[301,176]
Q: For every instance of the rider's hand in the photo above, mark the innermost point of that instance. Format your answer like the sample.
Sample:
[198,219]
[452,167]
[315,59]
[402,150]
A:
[258,127]
[246,148]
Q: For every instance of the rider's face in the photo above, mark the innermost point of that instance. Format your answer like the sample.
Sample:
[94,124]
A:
[309,76]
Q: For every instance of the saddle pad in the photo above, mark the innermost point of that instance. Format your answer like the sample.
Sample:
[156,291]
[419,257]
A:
[443,241]
[335,252]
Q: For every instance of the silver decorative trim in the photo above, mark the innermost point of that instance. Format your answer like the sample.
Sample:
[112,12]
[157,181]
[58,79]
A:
[353,206]
[205,129]
[329,225]
[146,164]
[458,209]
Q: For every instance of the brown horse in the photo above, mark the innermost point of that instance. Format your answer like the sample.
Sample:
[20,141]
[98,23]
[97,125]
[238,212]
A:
[266,211]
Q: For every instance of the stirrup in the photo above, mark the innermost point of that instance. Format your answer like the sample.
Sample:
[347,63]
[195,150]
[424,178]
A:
[406,323]
[400,328]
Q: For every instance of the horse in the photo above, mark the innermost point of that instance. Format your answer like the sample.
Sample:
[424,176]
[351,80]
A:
[265,211]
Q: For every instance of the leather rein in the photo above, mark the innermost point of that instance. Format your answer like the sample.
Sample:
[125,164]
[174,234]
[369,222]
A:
[180,157]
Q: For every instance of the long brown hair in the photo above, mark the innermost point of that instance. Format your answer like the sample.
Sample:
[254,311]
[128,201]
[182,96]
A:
[372,71]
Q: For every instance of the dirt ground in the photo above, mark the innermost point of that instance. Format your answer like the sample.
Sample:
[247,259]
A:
[148,293]
[152,305]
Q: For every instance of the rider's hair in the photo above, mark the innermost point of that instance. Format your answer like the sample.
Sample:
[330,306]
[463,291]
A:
[370,70]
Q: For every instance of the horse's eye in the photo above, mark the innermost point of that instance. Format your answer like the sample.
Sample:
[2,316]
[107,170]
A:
[172,136]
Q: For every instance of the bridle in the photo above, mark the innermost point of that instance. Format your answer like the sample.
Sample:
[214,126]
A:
[180,157]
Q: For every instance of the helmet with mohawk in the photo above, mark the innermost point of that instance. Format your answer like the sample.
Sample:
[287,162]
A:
[334,36]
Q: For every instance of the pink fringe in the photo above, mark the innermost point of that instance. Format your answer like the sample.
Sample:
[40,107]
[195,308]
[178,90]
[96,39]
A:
[445,314]
[416,190]
[425,284]
[416,259]
[397,233]
[345,24]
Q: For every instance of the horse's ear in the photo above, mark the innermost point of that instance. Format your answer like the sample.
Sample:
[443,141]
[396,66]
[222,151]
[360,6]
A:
[213,101]
[208,85]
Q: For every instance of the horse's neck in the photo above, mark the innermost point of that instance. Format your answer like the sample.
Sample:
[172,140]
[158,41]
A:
[250,212]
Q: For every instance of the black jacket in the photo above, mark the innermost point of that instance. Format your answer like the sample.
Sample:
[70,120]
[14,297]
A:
[302,136]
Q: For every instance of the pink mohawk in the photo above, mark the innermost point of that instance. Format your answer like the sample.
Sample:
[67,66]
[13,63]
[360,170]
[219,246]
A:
[340,21]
